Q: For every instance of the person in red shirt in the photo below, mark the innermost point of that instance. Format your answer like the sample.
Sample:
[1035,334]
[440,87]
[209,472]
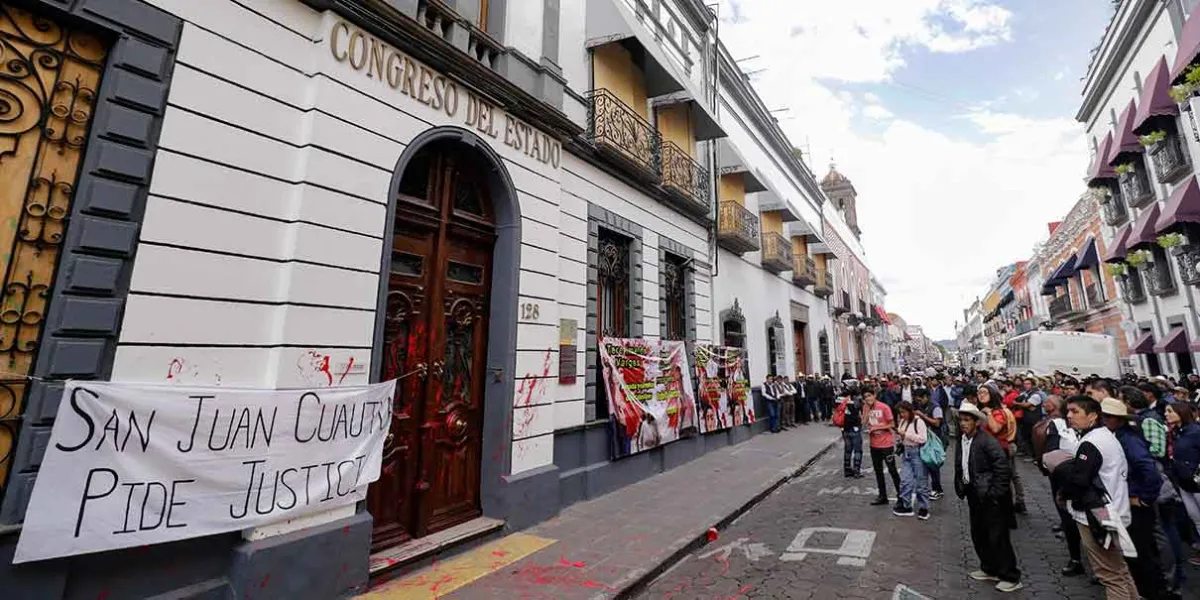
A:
[1002,425]
[1010,396]
[877,418]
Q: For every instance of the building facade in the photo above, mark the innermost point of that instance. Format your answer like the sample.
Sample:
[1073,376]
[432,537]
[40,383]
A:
[464,195]
[1143,176]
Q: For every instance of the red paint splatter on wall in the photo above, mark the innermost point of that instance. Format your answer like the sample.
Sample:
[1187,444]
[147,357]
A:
[349,365]
[527,391]
[265,580]
[174,368]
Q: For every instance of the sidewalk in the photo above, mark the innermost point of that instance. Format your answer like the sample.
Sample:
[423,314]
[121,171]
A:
[608,546]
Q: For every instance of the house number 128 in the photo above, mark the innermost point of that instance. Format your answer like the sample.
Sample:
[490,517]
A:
[530,311]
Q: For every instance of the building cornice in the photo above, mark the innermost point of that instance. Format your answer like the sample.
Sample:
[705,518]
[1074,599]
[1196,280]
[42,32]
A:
[1113,51]
[389,24]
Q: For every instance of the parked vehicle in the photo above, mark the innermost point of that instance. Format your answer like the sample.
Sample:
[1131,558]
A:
[1072,352]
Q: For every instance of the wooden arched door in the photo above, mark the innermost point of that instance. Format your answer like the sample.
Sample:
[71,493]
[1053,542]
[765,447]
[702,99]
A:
[435,341]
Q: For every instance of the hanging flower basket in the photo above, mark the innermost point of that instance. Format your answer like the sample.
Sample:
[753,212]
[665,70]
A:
[1191,84]
[1118,269]
[1140,258]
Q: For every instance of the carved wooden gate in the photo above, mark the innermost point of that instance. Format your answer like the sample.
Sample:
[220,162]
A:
[49,75]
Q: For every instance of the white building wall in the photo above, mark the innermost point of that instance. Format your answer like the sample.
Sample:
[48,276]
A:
[261,246]
[1155,38]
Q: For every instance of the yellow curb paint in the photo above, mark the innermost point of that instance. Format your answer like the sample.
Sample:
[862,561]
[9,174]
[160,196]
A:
[442,578]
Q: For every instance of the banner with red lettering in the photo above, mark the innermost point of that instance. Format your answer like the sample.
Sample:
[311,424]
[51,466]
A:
[724,397]
[649,389]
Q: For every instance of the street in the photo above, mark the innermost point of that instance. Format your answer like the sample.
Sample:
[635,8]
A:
[819,537]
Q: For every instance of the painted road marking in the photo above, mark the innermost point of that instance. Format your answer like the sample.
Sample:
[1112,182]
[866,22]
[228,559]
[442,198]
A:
[903,592]
[853,551]
[852,490]
[440,579]
[753,551]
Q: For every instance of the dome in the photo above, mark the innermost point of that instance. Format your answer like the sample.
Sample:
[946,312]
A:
[833,177]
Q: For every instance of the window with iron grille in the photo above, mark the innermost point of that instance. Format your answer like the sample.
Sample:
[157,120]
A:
[612,298]
[674,294]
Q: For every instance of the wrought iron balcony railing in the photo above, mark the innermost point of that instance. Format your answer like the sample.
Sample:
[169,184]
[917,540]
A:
[1170,163]
[1060,307]
[776,252]
[621,133]
[737,228]
[1114,208]
[684,177]
[1158,278]
[1188,258]
[843,305]
[1135,186]
[804,273]
[824,286]
[1131,287]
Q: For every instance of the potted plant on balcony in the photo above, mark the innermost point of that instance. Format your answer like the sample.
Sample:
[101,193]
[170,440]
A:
[1125,169]
[1191,83]
[1101,194]
[1153,140]
[1172,242]
[1140,258]
[1118,270]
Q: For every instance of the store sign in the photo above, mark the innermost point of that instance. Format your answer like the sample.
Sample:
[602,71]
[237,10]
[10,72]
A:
[568,356]
[388,66]
[138,464]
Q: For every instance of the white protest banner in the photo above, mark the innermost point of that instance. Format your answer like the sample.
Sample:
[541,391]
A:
[137,464]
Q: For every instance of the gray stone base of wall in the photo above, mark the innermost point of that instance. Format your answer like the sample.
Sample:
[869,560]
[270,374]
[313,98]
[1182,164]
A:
[585,470]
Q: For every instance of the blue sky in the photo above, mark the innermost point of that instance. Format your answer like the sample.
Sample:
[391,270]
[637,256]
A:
[954,119]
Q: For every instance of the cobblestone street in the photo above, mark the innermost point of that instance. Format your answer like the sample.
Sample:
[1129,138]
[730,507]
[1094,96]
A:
[819,537]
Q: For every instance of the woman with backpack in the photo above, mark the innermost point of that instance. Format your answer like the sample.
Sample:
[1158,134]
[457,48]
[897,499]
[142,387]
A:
[934,417]
[913,478]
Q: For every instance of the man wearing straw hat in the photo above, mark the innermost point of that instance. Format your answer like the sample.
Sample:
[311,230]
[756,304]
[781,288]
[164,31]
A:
[983,475]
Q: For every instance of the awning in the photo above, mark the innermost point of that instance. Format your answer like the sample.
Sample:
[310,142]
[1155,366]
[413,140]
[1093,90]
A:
[1176,341]
[1189,45]
[1155,100]
[1049,289]
[1088,257]
[703,118]
[881,314]
[1144,344]
[1117,250]
[1143,232]
[609,22]
[1100,168]
[1064,271]
[1125,142]
[732,162]
[1183,207]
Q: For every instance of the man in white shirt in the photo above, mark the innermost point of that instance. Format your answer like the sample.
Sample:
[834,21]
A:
[906,389]
[1101,458]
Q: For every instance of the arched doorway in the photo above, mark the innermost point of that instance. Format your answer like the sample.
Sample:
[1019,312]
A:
[435,338]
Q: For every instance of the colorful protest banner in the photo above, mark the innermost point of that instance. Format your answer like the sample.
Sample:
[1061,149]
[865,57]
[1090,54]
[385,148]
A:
[649,389]
[723,400]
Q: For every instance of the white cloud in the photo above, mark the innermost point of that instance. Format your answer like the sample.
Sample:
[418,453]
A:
[939,213]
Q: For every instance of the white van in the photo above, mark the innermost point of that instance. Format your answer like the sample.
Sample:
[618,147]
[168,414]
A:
[1072,352]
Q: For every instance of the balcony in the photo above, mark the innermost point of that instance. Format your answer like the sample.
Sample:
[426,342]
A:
[1060,307]
[737,228]
[1158,279]
[843,306]
[824,284]
[684,178]
[620,133]
[1187,258]
[804,273]
[1095,294]
[1135,186]
[1131,288]
[1169,161]
[1113,206]
[776,252]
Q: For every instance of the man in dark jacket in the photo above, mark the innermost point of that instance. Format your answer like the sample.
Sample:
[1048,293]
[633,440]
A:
[852,433]
[1144,486]
[983,475]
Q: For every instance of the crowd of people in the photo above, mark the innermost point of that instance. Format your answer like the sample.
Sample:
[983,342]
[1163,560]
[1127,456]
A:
[1122,457]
